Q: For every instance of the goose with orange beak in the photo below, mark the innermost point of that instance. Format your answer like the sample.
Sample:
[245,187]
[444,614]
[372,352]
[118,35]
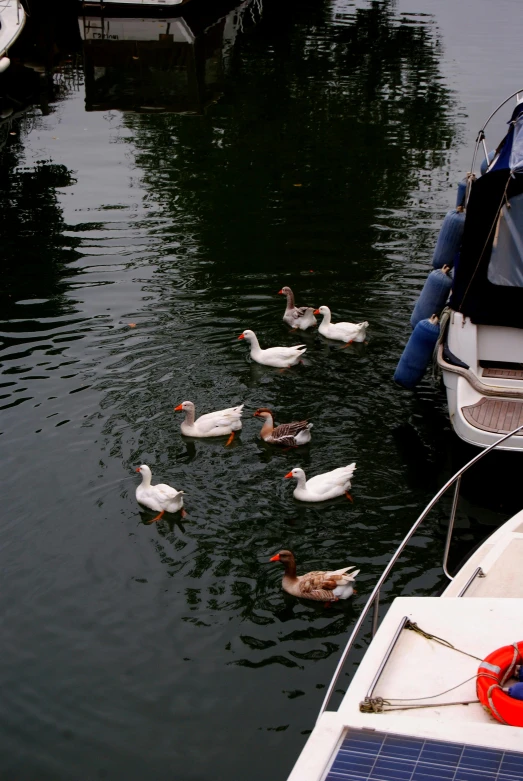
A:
[322,487]
[160,498]
[298,317]
[214,424]
[279,357]
[343,332]
[286,434]
[321,586]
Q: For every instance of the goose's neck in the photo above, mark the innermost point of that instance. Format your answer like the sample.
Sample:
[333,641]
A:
[255,345]
[268,426]
[302,481]
[290,299]
[327,317]
[290,569]
[146,480]
[189,416]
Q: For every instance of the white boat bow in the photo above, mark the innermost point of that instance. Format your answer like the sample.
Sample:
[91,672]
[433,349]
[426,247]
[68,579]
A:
[12,21]
[411,710]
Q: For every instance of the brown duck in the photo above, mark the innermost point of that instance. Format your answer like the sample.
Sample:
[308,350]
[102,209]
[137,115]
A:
[298,317]
[287,434]
[318,585]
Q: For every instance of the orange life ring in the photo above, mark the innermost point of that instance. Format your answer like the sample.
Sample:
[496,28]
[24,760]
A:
[493,673]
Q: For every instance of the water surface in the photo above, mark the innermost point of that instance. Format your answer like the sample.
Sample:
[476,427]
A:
[137,246]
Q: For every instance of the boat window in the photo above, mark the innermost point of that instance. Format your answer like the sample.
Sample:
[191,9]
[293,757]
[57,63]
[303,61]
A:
[506,260]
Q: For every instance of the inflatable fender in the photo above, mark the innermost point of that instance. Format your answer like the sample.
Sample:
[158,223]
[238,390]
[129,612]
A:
[434,295]
[461,193]
[449,240]
[417,353]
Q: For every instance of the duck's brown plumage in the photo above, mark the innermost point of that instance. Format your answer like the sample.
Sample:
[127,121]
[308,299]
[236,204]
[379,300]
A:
[294,315]
[285,434]
[317,585]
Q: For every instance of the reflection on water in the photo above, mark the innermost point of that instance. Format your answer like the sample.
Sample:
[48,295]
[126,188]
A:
[134,649]
[168,64]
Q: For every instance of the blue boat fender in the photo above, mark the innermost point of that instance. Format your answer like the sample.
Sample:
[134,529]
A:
[485,163]
[449,239]
[516,691]
[417,353]
[462,191]
[434,295]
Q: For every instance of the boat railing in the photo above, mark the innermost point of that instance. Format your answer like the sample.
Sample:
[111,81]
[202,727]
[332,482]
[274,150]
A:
[481,138]
[374,598]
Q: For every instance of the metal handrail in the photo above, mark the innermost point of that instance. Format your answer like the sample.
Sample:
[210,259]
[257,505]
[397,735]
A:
[374,597]
[480,139]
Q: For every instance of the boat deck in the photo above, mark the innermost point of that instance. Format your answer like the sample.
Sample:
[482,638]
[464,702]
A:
[500,559]
[420,672]
[495,415]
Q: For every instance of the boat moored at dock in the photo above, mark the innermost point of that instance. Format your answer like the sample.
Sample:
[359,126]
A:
[479,347]
[420,705]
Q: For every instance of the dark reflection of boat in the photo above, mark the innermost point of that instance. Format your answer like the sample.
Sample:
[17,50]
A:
[173,64]
[130,7]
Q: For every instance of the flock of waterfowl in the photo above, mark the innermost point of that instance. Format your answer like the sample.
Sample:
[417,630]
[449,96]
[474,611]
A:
[321,586]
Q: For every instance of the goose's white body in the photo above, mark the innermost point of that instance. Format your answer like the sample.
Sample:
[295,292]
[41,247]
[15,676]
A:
[213,424]
[343,332]
[161,497]
[322,487]
[346,580]
[280,357]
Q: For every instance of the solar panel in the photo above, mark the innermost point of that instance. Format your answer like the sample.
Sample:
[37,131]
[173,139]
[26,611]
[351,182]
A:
[379,756]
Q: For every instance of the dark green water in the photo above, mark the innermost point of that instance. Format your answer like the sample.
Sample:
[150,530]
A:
[169,651]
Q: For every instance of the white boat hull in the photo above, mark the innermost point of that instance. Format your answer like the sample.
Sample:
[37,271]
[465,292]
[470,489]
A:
[485,397]
[12,21]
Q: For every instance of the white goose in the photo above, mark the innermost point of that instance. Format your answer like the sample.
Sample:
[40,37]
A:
[325,486]
[161,498]
[280,357]
[213,424]
[344,332]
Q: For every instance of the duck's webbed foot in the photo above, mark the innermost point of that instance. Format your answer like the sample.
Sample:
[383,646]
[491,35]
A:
[158,517]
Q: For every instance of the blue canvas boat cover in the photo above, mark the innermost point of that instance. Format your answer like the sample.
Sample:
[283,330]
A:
[488,278]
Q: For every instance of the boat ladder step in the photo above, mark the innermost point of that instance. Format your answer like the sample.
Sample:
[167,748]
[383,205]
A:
[498,373]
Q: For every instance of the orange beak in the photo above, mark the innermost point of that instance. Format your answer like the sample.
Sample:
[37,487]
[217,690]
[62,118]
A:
[280,292]
[241,336]
[255,415]
[179,408]
[316,311]
[289,475]
[275,558]
[137,469]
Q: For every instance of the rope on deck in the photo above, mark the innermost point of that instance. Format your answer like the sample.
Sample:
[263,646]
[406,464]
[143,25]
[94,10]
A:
[381,705]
